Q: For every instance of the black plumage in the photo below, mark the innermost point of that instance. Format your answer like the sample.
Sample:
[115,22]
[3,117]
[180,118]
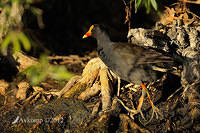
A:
[131,62]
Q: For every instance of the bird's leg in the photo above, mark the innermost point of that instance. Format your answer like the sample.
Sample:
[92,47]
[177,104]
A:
[141,100]
[133,111]
[139,107]
[138,110]
[154,108]
[118,89]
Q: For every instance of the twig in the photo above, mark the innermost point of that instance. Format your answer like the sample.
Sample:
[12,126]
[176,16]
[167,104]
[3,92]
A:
[128,13]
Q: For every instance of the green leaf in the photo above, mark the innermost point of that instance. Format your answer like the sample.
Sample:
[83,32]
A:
[154,4]
[138,3]
[40,71]
[36,73]
[60,73]
[148,6]
[43,59]
[145,3]
[36,11]
[5,42]
[15,41]
[29,1]
[25,41]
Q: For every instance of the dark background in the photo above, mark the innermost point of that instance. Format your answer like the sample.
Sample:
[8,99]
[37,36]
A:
[66,21]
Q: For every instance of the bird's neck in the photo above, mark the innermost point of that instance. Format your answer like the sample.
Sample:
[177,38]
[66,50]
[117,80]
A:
[103,39]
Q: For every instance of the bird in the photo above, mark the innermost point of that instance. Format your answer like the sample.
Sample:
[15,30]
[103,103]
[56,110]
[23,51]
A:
[131,62]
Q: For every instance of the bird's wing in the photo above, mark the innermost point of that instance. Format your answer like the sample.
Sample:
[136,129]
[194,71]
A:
[151,56]
[134,54]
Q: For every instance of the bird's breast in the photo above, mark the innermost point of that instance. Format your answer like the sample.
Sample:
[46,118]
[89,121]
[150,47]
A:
[114,62]
[127,71]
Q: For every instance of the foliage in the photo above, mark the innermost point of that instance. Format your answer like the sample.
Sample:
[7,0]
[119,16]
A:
[40,71]
[147,4]
[11,24]
[11,33]
[16,38]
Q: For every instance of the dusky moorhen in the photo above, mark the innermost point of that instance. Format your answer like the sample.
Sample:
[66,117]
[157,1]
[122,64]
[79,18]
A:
[132,63]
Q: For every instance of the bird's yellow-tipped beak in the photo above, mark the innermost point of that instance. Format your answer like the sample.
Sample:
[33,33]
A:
[86,35]
[89,33]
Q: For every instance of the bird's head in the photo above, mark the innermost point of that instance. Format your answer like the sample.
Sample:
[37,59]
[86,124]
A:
[98,32]
[94,31]
[89,33]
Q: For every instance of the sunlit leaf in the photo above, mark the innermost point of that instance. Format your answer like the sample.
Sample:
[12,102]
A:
[43,59]
[138,3]
[15,41]
[35,74]
[36,11]
[25,41]
[39,72]
[36,79]
[29,1]
[60,73]
[5,42]
[148,6]
[154,4]
[145,4]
